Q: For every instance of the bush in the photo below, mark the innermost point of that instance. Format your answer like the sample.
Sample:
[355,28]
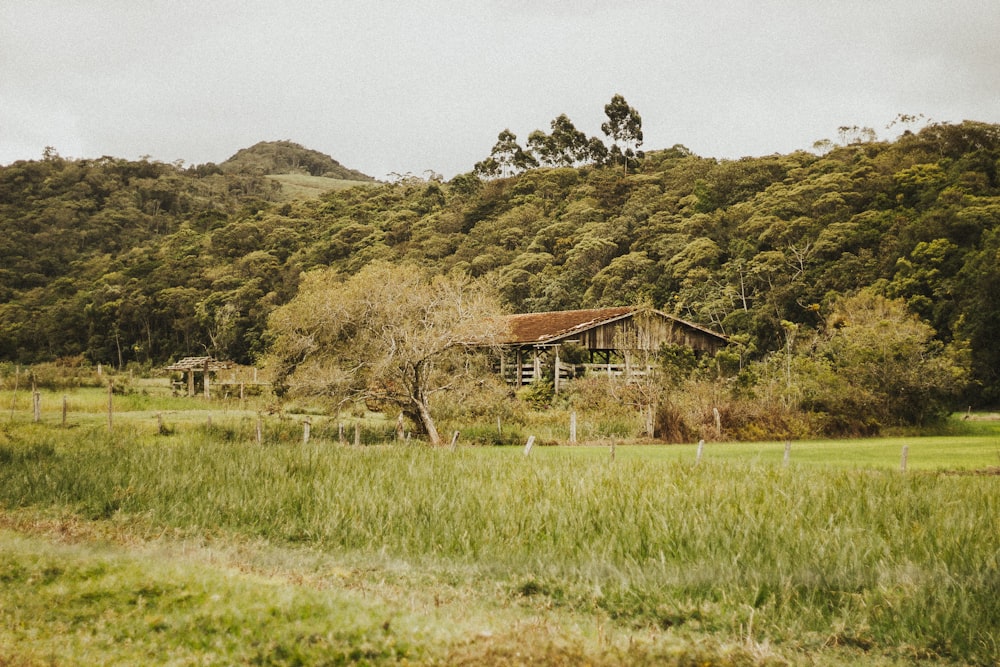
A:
[64,373]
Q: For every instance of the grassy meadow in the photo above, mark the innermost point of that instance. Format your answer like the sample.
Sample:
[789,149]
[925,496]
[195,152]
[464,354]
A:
[176,539]
[305,186]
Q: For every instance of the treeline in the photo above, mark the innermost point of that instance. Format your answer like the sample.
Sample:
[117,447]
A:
[118,262]
[567,146]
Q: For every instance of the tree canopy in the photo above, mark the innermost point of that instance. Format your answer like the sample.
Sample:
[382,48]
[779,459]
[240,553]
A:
[134,261]
[391,333]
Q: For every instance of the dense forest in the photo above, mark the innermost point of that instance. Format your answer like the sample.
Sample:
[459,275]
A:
[121,262]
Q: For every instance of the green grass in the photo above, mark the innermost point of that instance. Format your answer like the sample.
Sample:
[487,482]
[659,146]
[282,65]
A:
[102,605]
[796,557]
[924,453]
[304,186]
[646,557]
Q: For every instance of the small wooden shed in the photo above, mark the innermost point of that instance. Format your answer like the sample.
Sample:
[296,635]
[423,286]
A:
[192,365]
[603,333]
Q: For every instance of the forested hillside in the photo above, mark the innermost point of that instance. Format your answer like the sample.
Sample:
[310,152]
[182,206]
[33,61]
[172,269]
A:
[125,262]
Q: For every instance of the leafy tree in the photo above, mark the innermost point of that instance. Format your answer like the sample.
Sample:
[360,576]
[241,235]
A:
[390,333]
[507,157]
[980,304]
[624,128]
[565,147]
[543,148]
[877,364]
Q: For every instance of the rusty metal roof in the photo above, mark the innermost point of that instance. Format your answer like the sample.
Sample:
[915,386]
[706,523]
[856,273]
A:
[542,328]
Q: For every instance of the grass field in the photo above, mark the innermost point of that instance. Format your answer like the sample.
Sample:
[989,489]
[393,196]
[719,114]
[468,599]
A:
[195,545]
[304,186]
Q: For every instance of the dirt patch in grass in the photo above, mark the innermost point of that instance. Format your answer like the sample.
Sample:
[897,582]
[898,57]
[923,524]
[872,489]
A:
[538,644]
[980,472]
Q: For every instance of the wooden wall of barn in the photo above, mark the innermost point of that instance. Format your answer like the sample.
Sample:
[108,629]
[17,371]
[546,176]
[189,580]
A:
[647,333]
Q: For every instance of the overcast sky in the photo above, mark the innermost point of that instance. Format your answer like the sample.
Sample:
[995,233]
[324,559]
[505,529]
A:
[409,86]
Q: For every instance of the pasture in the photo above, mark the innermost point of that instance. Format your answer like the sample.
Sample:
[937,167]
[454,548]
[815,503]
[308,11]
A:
[171,538]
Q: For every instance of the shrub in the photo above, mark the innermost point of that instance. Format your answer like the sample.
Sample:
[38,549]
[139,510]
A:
[64,373]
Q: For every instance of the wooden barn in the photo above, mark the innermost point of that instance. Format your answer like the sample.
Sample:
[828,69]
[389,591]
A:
[615,341]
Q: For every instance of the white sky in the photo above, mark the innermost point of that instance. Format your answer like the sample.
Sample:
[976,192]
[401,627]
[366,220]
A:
[392,86]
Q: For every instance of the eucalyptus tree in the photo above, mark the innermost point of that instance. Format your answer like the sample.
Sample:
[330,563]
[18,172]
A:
[624,128]
[507,157]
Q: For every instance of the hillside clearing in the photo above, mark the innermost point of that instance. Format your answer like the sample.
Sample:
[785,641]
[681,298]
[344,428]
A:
[304,186]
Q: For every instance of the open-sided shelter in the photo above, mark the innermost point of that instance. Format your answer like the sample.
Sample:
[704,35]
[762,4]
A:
[191,365]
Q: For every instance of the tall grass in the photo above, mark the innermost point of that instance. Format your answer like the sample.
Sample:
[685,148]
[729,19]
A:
[804,557]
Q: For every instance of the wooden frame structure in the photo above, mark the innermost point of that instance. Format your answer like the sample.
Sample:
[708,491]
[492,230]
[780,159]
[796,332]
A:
[534,341]
[192,365]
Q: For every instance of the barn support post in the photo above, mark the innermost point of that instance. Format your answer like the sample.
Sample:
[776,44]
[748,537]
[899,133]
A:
[555,376]
[207,394]
[190,374]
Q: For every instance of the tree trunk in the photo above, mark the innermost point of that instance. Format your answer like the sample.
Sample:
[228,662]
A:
[424,412]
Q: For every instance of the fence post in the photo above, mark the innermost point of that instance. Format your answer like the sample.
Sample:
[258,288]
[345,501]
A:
[357,434]
[36,405]
[718,423]
[260,430]
[306,426]
[111,391]
[906,454]
[13,396]
[527,447]
[454,440]
[788,451]
[340,433]
[572,427]
[65,409]
[701,450]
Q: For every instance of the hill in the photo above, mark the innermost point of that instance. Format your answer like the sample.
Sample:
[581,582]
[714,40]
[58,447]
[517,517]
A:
[286,157]
[120,261]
